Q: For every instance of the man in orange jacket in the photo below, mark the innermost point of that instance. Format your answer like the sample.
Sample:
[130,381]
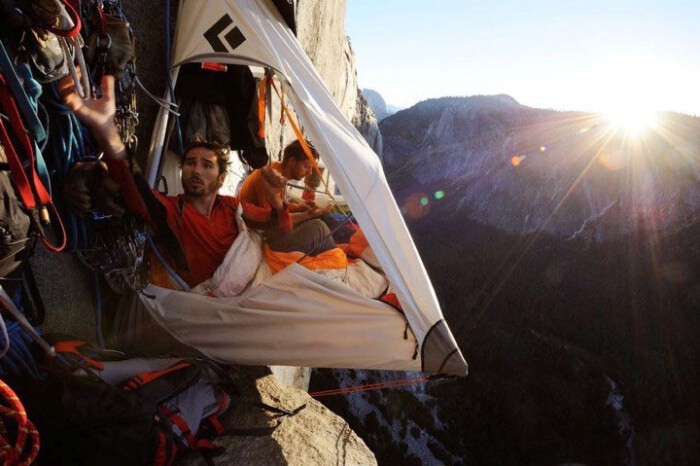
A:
[295,165]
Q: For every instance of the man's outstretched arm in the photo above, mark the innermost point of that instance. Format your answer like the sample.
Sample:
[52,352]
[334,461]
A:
[98,116]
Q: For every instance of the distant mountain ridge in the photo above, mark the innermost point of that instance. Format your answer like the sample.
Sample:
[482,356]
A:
[524,169]
[564,254]
[378,105]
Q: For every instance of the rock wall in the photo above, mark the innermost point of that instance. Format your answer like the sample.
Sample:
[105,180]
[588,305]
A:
[321,32]
[313,436]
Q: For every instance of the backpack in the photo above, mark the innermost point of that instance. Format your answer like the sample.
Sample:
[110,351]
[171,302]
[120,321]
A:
[192,406]
[153,417]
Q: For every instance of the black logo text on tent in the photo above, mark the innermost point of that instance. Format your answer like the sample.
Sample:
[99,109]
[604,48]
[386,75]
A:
[233,38]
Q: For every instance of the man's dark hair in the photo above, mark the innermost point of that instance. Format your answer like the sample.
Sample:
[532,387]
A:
[221,152]
[296,151]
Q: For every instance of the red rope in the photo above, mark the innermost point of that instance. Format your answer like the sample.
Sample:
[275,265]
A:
[12,454]
[372,386]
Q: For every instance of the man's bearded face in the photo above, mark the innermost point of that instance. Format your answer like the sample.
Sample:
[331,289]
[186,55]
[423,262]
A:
[200,172]
[299,168]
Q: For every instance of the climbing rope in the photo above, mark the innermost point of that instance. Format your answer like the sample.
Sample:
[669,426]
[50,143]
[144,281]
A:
[12,454]
[171,89]
[66,145]
[376,386]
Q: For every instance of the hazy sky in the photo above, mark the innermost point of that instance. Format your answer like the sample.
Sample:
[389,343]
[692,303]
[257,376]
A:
[584,55]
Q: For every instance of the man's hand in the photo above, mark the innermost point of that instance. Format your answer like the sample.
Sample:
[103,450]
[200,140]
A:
[319,211]
[273,184]
[96,114]
[88,185]
[299,205]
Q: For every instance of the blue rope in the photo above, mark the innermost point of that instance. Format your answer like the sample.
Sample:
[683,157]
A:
[173,275]
[98,311]
[33,91]
[66,146]
[178,128]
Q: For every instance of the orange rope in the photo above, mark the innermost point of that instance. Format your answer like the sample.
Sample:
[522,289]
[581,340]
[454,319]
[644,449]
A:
[302,141]
[372,386]
[12,454]
[282,119]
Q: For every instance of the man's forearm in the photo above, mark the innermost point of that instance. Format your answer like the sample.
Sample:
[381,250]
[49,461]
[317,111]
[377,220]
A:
[113,146]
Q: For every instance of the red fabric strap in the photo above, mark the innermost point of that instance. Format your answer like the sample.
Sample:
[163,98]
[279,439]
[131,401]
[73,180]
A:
[71,347]
[181,424]
[23,182]
[261,107]
[146,377]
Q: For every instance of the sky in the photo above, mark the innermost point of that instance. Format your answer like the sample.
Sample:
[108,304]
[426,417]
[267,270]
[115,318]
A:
[585,55]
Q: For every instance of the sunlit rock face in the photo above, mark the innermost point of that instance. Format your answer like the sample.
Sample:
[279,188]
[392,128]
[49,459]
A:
[523,169]
[321,32]
[365,121]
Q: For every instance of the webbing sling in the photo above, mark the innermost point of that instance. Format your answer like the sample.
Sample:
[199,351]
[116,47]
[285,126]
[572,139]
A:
[264,83]
[26,186]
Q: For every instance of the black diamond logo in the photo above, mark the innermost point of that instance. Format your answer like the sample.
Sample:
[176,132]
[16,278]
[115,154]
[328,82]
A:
[233,38]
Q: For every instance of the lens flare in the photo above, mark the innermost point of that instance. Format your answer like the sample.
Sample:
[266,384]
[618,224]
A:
[517,160]
[416,205]
[634,121]
[613,159]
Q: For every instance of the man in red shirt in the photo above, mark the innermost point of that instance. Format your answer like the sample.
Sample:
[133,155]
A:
[202,219]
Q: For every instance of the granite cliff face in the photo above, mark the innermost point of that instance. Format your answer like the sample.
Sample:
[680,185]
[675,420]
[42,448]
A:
[312,436]
[522,169]
[321,31]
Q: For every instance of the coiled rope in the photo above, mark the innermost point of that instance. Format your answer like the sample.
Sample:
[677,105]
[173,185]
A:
[27,435]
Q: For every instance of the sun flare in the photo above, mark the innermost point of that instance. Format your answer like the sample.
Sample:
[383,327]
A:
[633,121]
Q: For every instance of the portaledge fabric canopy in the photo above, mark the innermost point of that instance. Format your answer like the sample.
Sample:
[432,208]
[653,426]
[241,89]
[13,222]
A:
[249,32]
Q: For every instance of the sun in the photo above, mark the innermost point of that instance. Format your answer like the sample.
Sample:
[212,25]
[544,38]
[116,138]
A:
[633,120]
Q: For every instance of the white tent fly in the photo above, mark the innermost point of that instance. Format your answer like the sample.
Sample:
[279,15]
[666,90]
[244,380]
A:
[297,317]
